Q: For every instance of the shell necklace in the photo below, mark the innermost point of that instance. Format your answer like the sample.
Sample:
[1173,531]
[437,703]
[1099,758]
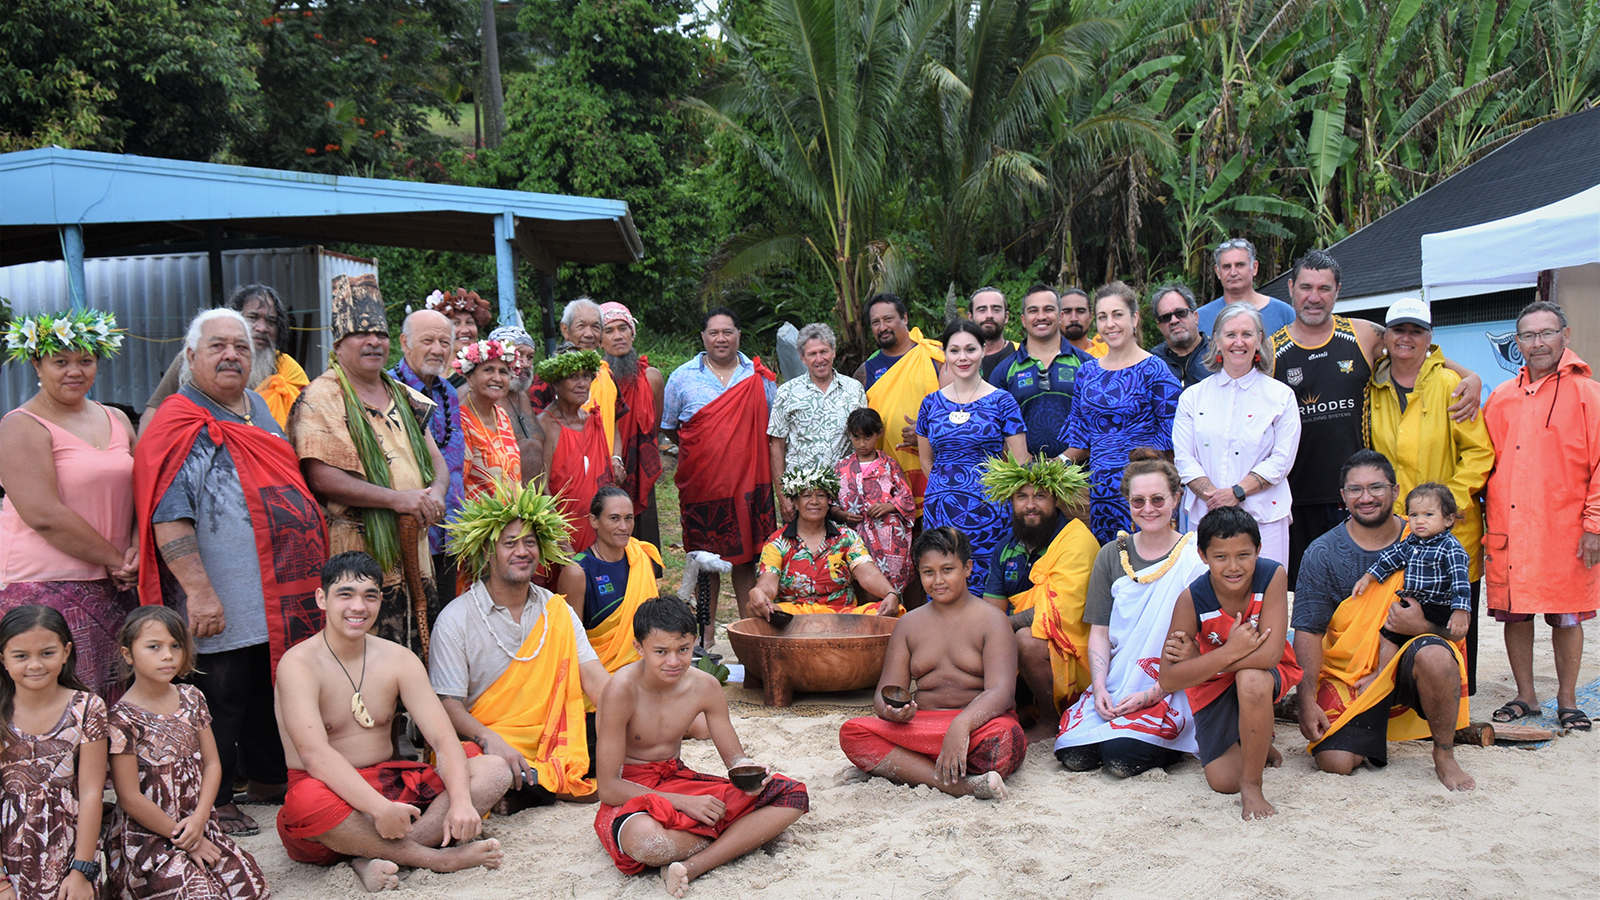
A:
[1154,575]
[358,709]
[960,416]
[543,613]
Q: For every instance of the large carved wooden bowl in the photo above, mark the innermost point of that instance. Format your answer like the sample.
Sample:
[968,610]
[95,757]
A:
[816,653]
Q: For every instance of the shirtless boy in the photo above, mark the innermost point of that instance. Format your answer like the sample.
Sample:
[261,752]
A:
[348,798]
[655,811]
[959,734]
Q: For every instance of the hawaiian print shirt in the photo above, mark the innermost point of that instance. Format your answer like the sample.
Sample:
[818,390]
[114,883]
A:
[811,420]
[804,577]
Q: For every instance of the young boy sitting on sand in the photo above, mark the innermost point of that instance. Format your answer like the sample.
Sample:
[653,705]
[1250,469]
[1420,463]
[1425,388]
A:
[1226,647]
[656,811]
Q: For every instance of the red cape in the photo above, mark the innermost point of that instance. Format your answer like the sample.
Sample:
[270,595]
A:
[641,457]
[724,475]
[291,536]
[578,468]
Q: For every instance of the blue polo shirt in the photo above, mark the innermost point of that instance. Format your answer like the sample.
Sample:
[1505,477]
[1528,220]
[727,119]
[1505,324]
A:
[1043,392]
[1011,564]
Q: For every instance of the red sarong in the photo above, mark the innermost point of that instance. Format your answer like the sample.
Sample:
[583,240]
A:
[291,536]
[641,456]
[311,808]
[672,776]
[996,746]
[724,475]
[578,468]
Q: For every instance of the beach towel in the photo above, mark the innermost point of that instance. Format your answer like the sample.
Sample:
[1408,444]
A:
[724,475]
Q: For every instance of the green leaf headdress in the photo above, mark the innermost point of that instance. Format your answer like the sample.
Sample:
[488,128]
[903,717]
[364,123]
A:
[477,526]
[39,335]
[1004,476]
[565,365]
[806,478]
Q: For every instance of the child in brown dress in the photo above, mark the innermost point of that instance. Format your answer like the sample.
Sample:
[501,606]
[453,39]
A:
[52,762]
[163,840]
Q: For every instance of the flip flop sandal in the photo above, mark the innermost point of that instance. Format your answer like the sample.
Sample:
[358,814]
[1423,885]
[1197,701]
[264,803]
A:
[239,829]
[1513,711]
[1576,719]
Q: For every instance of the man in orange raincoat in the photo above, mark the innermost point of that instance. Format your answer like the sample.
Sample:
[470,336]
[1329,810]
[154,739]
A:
[1543,541]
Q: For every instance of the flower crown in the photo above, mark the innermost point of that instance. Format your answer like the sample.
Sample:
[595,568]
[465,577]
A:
[1004,476]
[477,526]
[473,355]
[807,478]
[462,301]
[37,336]
[565,365]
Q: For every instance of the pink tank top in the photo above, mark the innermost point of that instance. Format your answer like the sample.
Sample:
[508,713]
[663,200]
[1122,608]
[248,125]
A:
[95,484]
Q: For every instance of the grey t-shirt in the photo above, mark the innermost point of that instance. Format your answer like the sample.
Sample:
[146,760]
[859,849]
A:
[1330,568]
[207,491]
[1107,569]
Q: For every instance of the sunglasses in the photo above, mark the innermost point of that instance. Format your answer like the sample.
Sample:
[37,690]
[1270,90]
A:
[1156,501]
[1182,312]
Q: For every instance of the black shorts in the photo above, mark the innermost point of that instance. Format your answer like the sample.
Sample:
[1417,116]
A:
[1216,726]
[1368,733]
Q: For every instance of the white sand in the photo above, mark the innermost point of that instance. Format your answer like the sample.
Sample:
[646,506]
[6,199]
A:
[1531,829]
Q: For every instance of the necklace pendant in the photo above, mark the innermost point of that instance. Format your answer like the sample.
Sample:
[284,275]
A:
[959,416]
[358,709]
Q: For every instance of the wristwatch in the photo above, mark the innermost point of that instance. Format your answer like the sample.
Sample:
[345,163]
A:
[90,870]
[1238,492]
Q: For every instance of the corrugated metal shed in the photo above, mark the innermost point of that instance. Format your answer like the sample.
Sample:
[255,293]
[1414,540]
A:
[154,297]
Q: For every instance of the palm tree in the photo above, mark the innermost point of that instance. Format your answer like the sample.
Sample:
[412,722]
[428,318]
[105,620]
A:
[817,108]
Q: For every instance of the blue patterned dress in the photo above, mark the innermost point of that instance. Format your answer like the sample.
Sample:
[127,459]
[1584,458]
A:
[1113,412]
[954,496]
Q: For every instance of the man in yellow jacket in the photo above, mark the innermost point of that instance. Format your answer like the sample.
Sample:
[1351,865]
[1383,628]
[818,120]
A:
[1409,422]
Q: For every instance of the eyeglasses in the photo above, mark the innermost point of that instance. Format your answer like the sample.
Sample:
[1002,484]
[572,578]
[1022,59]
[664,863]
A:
[1156,501]
[1236,244]
[1181,312]
[1356,490]
[1537,337]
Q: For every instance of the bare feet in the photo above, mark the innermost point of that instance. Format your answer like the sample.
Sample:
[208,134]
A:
[486,853]
[376,874]
[676,879]
[1274,758]
[989,786]
[1253,805]
[1449,772]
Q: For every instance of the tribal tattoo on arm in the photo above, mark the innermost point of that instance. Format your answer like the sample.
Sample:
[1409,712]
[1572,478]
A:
[178,548]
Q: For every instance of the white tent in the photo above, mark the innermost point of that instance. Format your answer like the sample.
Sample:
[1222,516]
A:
[1514,250]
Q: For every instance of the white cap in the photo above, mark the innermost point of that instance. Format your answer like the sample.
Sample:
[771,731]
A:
[1409,310]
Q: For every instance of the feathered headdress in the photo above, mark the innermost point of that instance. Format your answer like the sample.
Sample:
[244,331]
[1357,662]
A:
[477,526]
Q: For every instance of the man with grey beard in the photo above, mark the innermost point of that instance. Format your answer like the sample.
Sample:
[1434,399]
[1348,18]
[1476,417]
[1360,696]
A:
[274,374]
[639,403]
[426,351]
[524,420]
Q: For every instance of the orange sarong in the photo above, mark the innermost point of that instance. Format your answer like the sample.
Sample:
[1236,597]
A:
[897,396]
[283,387]
[612,639]
[1060,587]
[537,706]
[1350,651]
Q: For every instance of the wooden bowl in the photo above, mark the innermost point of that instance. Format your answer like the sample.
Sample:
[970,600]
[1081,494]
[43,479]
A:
[824,652]
[747,778]
[896,696]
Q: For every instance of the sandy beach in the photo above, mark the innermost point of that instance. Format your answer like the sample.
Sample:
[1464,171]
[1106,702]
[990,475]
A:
[1531,828]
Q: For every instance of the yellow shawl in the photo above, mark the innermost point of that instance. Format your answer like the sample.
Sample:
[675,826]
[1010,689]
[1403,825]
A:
[283,388]
[537,706]
[612,639]
[1060,587]
[603,397]
[898,396]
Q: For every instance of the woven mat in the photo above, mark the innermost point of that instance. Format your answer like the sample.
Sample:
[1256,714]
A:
[1588,701]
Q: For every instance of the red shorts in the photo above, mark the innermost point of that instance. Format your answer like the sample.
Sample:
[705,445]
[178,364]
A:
[311,808]
[997,746]
[672,776]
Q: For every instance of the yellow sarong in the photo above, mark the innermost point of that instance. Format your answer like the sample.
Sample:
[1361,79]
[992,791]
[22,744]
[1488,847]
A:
[537,706]
[898,396]
[283,388]
[1350,651]
[612,639]
[603,397]
[1060,587]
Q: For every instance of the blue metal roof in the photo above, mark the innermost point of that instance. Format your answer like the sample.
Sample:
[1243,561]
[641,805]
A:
[122,201]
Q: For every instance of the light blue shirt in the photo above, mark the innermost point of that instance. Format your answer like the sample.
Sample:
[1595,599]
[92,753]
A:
[693,385]
[1275,315]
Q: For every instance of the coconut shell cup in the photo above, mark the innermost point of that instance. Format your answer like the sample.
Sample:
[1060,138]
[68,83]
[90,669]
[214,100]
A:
[779,619]
[747,778]
[896,696]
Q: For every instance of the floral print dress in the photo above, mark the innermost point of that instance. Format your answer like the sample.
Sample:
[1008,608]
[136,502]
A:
[144,865]
[39,803]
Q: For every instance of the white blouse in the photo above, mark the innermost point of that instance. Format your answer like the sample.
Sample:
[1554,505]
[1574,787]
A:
[1227,428]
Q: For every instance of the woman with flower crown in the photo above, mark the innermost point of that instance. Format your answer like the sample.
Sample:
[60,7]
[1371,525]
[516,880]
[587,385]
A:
[66,463]
[491,445]
[1124,721]
[574,453]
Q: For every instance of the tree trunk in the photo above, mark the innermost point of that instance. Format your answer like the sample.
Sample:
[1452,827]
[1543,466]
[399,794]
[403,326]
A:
[494,117]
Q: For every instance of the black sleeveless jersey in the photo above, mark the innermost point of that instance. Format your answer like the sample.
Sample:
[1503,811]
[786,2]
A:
[1330,383]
